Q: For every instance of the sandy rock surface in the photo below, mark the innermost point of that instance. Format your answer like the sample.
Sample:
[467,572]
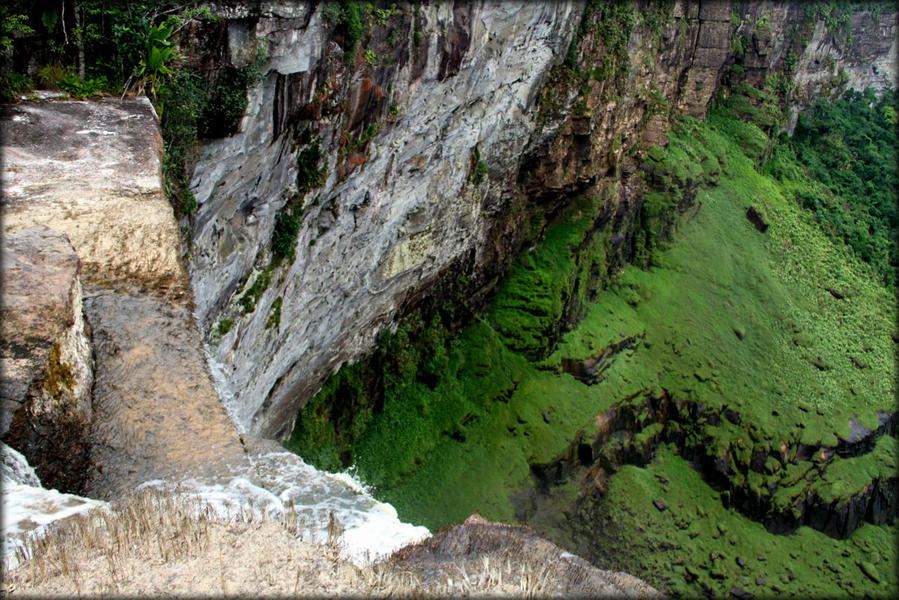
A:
[92,171]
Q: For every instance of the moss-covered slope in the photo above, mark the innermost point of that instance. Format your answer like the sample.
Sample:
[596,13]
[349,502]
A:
[760,347]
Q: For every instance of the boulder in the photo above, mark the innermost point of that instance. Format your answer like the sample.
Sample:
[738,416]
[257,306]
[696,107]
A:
[45,356]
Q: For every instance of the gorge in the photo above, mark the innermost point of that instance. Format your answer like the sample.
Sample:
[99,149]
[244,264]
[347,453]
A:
[552,263]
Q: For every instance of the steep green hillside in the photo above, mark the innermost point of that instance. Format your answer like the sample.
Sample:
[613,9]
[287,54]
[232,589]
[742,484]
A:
[755,342]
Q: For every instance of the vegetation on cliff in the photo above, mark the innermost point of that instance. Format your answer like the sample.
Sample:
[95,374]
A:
[848,148]
[752,339]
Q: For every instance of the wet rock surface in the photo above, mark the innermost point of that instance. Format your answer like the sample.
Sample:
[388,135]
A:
[46,360]
[156,413]
[92,171]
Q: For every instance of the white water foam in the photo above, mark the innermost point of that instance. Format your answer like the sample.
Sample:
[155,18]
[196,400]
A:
[28,508]
[370,529]
[328,507]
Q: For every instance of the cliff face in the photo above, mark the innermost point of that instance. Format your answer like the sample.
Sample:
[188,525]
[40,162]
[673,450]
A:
[443,143]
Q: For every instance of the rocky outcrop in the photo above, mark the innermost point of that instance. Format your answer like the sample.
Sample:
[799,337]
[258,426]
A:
[443,141]
[478,542]
[91,170]
[394,211]
[45,356]
[630,433]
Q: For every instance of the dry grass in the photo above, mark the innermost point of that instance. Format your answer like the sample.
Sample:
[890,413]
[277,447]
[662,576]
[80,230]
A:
[155,544]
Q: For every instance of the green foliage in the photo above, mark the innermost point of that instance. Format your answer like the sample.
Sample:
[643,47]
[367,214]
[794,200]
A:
[284,235]
[274,316]
[225,103]
[837,17]
[186,96]
[381,15]
[290,218]
[846,151]
[154,67]
[330,427]
[224,326]
[12,85]
[656,17]
[739,44]
[368,135]
[349,20]
[251,297]
[480,171]
[614,29]
[611,24]
[12,24]
[83,87]
[691,159]
[698,528]
[530,308]
[479,166]
[757,107]
[309,173]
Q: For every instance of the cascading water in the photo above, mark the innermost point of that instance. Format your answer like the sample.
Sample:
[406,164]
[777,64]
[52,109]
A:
[335,506]
[28,507]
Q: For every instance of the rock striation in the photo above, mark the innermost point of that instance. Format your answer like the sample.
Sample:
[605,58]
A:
[441,143]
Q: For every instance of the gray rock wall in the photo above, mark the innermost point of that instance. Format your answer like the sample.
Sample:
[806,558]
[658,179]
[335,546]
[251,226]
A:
[400,217]
[399,210]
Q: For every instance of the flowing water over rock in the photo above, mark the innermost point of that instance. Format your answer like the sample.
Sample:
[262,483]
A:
[156,414]
[157,420]
[28,507]
[159,423]
[326,507]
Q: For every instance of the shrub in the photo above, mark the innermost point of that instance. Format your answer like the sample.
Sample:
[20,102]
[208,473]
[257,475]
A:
[480,171]
[274,317]
[224,326]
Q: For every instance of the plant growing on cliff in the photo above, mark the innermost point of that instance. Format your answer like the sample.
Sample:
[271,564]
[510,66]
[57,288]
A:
[274,317]
[251,297]
[348,15]
[309,172]
[284,235]
[478,166]
[155,67]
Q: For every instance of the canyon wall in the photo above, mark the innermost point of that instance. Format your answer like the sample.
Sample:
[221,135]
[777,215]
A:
[440,141]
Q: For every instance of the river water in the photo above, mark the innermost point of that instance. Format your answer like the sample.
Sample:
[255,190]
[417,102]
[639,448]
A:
[159,421]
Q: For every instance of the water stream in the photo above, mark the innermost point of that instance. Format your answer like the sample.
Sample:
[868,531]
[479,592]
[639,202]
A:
[160,421]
